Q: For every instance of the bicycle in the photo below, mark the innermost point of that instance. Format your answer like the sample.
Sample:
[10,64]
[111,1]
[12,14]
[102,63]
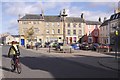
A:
[16,65]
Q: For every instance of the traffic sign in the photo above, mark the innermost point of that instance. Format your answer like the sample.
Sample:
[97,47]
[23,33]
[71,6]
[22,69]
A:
[116,32]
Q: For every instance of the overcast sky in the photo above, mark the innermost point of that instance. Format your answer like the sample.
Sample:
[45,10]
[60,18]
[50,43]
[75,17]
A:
[11,9]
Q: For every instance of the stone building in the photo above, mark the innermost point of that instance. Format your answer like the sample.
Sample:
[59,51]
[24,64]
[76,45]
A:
[50,28]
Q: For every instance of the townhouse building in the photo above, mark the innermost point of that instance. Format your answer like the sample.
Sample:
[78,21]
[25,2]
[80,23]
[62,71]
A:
[114,24]
[50,28]
[92,31]
[6,40]
[105,32]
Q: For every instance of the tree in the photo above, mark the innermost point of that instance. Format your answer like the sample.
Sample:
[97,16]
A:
[29,35]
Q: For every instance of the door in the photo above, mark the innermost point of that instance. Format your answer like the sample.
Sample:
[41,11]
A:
[22,42]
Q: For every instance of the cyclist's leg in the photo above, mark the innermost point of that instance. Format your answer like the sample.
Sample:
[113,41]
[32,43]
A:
[14,59]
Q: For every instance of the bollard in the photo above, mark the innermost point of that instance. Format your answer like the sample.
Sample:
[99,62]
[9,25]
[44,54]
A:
[49,49]
[70,50]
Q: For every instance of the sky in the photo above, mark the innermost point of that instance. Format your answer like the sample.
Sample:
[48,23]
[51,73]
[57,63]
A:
[92,10]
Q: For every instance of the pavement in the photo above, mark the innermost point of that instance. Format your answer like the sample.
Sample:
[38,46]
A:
[90,57]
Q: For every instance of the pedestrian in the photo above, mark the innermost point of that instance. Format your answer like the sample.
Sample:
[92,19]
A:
[36,45]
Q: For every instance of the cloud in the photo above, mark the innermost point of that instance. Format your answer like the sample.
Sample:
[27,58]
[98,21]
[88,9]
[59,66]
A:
[13,9]
[60,0]
[75,11]
[17,8]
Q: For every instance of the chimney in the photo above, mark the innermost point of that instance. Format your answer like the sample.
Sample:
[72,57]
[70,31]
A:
[82,16]
[105,18]
[99,19]
[60,13]
[19,16]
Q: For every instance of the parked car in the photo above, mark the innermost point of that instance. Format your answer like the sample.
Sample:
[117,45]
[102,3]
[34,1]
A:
[27,46]
[58,46]
[53,44]
[1,44]
[75,46]
[39,45]
[46,44]
[85,46]
[94,46]
[104,48]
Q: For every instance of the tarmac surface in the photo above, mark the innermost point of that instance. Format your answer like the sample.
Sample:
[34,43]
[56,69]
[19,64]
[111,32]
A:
[106,60]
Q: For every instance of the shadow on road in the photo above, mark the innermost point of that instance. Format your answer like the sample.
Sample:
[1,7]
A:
[6,69]
[61,68]
[6,56]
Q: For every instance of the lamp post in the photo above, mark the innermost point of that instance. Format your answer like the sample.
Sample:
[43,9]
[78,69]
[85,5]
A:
[116,36]
[64,32]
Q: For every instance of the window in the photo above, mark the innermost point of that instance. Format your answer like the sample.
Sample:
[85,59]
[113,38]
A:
[68,24]
[24,29]
[106,27]
[74,24]
[71,23]
[58,30]
[68,32]
[53,31]
[95,26]
[25,22]
[117,15]
[34,22]
[112,25]
[74,32]
[89,33]
[80,31]
[36,30]
[47,31]
[80,25]
[52,24]
[89,26]
[58,24]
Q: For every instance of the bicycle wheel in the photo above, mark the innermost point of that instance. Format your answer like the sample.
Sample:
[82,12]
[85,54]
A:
[19,69]
[12,65]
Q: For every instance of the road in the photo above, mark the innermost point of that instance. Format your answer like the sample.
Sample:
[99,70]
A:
[36,65]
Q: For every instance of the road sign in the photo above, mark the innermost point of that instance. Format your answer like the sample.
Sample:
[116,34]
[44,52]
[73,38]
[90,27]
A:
[116,32]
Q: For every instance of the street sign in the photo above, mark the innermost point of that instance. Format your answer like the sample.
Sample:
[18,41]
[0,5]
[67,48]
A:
[116,32]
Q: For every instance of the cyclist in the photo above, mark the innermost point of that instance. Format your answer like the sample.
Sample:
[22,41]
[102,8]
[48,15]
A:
[14,51]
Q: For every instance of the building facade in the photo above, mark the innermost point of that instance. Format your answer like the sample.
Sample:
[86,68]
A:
[114,25]
[105,32]
[92,31]
[50,28]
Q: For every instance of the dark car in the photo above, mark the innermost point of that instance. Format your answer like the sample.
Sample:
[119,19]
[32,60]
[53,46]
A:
[94,46]
[46,45]
[58,46]
[27,46]
[85,46]
[39,45]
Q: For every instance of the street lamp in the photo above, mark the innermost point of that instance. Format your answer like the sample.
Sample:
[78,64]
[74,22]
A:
[64,32]
[116,38]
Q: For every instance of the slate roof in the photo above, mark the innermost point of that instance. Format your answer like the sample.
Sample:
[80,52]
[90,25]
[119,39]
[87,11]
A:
[74,19]
[57,18]
[50,18]
[105,23]
[32,17]
[93,22]
[15,35]
[115,16]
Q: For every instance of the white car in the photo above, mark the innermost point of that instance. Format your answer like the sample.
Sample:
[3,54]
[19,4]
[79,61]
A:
[1,44]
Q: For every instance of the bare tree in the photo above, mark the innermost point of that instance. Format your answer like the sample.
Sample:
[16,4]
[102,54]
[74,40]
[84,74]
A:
[29,34]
